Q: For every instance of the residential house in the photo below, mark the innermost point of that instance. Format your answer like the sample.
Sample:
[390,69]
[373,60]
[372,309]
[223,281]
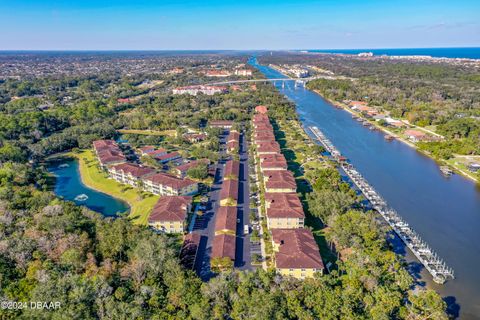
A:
[416,135]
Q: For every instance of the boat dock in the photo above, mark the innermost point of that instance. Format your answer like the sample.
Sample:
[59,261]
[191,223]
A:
[430,260]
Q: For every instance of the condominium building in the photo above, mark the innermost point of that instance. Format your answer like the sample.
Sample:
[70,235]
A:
[284,211]
[170,213]
[296,253]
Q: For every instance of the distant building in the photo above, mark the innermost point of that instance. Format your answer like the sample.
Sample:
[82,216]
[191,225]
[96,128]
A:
[195,137]
[169,214]
[217,73]
[226,124]
[296,253]
[365,54]
[243,72]
[195,90]
[416,135]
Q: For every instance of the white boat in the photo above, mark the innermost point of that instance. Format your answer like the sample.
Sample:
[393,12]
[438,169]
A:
[63,165]
[446,171]
[81,197]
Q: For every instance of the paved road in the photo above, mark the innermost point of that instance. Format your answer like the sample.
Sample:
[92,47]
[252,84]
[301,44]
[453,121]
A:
[206,226]
[242,254]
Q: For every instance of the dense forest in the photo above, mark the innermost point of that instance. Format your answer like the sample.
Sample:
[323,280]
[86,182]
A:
[104,268]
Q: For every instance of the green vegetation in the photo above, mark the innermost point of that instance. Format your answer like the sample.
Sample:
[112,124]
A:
[115,269]
[141,203]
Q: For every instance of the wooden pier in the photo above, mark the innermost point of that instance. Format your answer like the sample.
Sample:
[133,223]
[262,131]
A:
[436,266]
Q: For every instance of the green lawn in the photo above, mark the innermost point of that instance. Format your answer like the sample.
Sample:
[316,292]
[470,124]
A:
[141,204]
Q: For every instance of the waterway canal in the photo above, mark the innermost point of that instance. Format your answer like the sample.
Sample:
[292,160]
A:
[444,211]
[69,186]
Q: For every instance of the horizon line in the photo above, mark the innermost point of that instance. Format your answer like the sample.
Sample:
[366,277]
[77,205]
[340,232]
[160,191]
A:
[187,50]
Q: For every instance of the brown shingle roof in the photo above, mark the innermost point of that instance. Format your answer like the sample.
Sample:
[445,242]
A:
[108,151]
[268,146]
[264,136]
[223,246]
[297,249]
[283,205]
[169,180]
[273,161]
[233,136]
[279,179]
[133,169]
[170,208]
[226,219]
[261,109]
[232,169]
[229,190]
[184,167]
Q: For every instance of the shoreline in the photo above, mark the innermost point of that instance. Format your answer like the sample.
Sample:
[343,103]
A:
[439,162]
[137,211]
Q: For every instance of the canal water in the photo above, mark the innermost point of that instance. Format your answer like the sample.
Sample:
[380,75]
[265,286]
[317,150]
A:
[444,211]
[69,186]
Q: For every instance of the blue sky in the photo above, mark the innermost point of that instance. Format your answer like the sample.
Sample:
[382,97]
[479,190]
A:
[262,24]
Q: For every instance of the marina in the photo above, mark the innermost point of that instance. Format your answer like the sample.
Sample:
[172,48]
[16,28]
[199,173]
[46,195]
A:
[443,210]
[430,260]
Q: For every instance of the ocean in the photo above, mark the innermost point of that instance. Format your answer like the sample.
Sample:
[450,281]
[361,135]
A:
[464,52]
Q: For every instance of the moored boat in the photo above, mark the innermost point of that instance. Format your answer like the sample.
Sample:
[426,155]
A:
[446,171]
[388,137]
